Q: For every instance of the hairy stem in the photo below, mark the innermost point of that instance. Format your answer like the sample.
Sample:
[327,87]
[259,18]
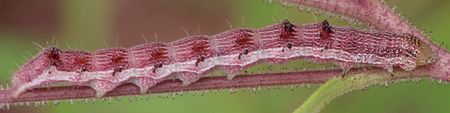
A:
[208,83]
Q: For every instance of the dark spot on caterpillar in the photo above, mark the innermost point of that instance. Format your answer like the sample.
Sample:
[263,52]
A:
[288,31]
[325,34]
[326,31]
[327,46]
[243,53]
[201,59]
[116,70]
[289,46]
[83,69]
[54,56]
[159,65]
[288,26]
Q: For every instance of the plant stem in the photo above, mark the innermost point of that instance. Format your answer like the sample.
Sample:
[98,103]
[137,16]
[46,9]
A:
[207,83]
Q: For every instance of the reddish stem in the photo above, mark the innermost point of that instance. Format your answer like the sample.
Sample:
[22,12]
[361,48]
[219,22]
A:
[207,83]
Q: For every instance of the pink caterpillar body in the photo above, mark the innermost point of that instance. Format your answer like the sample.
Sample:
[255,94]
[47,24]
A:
[190,58]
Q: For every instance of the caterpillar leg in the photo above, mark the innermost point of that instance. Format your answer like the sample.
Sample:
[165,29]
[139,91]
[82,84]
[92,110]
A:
[344,72]
[390,69]
[102,87]
[144,83]
[232,71]
[345,68]
[188,78]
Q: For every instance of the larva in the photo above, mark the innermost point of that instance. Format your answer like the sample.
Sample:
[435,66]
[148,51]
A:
[190,58]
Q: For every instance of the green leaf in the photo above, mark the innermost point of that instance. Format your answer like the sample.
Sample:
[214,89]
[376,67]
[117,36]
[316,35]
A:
[339,86]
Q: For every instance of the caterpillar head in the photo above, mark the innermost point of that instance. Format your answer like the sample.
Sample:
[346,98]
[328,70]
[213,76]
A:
[418,50]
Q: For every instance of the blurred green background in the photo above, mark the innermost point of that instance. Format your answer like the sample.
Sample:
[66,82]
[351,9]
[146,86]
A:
[89,24]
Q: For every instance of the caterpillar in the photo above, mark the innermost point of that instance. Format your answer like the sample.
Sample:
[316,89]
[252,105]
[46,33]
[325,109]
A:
[192,57]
